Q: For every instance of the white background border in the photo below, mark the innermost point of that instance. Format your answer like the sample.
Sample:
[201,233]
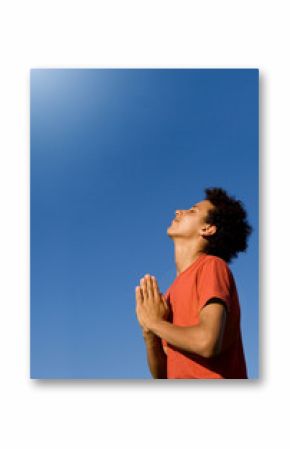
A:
[211,34]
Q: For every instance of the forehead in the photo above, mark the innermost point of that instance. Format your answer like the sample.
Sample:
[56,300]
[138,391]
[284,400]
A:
[204,205]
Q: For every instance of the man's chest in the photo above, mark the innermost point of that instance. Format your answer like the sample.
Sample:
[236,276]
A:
[184,306]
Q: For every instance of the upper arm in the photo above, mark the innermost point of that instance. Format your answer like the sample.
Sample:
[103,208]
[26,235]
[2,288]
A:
[213,319]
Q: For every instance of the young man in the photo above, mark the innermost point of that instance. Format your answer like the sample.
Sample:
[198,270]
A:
[193,331]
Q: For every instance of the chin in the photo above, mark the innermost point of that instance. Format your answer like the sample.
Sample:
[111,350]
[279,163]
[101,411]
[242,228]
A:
[169,232]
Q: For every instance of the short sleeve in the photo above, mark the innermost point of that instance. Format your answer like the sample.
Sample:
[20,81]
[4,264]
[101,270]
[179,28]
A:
[214,281]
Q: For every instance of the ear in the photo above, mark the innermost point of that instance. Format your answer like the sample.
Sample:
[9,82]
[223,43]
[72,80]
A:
[208,230]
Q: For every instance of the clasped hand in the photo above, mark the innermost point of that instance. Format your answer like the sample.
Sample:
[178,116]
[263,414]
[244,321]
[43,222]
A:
[150,303]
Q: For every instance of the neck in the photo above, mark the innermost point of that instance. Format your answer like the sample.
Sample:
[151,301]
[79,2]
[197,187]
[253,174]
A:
[185,254]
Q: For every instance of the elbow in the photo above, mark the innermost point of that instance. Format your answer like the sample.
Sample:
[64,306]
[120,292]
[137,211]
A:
[209,349]
[207,353]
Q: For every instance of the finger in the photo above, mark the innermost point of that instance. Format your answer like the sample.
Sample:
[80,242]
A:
[143,288]
[142,294]
[149,286]
[155,287]
[165,302]
[139,298]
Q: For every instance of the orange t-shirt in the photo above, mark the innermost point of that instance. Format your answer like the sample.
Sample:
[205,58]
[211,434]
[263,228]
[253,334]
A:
[207,277]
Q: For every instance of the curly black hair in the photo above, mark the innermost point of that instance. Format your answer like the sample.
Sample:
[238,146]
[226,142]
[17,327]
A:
[230,217]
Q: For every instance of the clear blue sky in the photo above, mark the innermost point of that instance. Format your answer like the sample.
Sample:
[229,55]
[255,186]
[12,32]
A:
[114,152]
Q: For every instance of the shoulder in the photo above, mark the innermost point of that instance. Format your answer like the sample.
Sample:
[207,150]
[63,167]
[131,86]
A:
[210,259]
[210,262]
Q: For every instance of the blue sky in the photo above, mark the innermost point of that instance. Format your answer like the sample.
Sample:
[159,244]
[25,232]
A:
[114,152]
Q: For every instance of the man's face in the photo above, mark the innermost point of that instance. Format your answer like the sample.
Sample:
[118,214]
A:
[190,222]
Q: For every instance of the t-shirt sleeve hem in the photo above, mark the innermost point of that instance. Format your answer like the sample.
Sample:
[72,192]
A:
[215,298]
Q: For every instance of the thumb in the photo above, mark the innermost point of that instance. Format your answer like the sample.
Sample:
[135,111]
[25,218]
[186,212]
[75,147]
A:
[163,297]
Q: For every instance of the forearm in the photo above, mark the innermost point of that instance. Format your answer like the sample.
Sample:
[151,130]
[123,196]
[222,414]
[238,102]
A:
[191,339]
[156,358]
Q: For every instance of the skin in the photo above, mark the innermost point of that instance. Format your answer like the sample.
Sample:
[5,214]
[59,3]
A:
[188,231]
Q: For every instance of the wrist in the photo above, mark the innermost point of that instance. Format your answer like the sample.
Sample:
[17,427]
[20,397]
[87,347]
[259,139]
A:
[150,337]
[147,333]
[154,326]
